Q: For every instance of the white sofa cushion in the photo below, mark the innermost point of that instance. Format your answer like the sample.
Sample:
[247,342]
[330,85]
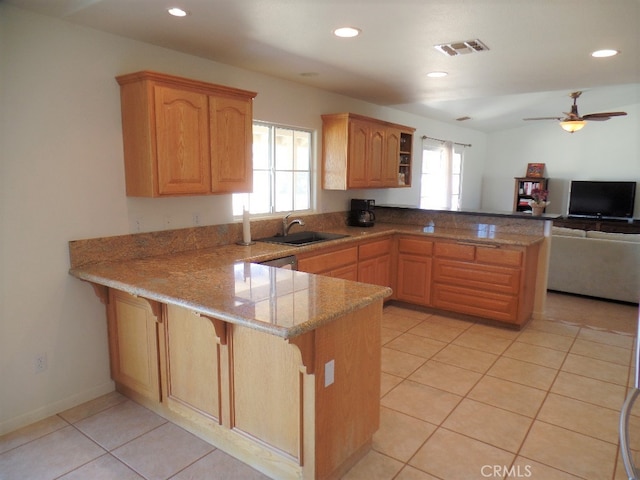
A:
[624,237]
[568,232]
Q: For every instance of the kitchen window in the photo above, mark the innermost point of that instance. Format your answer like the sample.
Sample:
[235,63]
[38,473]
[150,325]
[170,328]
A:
[441,177]
[281,171]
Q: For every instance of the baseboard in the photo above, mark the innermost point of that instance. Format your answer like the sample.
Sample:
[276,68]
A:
[50,409]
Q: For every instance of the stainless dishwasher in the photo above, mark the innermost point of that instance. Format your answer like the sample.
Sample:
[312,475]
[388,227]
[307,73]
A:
[288,263]
[625,441]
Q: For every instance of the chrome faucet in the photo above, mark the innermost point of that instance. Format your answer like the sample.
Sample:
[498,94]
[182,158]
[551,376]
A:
[286,225]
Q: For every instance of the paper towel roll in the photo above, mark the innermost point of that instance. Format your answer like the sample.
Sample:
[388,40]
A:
[246,227]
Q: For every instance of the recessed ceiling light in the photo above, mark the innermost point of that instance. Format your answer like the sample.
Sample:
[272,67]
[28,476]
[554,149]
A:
[437,74]
[347,32]
[177,12]
[604,53]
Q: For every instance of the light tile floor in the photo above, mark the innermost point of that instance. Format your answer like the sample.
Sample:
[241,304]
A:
[461,400]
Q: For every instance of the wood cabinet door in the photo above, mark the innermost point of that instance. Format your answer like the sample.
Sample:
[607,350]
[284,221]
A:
[358,152]
[391,158]
[376,271]
[376,156]
[192,359]
[231,145]
[182,141]
[414,279]
[348,272]
[133,343]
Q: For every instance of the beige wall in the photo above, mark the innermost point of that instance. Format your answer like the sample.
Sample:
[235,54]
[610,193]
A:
[601,151]
[61,175]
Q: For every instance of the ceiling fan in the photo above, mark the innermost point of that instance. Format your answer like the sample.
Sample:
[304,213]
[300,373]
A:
[573,121]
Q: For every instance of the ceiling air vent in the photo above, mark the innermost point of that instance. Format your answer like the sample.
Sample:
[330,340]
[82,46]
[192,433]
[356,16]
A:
[461,48]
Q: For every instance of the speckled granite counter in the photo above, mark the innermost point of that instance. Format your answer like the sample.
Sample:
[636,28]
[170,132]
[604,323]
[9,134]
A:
[220,281]
[281,302]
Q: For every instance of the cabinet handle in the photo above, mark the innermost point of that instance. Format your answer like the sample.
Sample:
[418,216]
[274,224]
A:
[478,244]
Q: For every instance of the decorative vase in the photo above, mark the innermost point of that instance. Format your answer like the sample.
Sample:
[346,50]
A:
[537,210]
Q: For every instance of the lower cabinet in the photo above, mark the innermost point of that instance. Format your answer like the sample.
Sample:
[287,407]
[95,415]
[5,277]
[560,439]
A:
[259,397]
[190,363]
[414,270]
[490,281]
[375,262]
[333,262]
[133,343]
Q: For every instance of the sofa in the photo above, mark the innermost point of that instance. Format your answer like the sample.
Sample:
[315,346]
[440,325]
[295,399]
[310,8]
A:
[593,263]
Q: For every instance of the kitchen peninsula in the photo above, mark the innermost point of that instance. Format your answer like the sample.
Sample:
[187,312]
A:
[279,368]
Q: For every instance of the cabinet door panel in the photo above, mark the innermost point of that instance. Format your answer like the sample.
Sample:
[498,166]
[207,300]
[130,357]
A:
[374,249]
[376,271]
[476,302]
[133,344]
[349,272]
[499,256]
[181,141]
[192,359]
[324,262]
[414,279]
[231,155]
[358,151]
[455,250]
[375,159]
[482,277]
[391,158]
[415,245]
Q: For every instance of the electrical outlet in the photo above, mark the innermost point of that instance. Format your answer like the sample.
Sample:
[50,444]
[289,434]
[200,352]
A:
[138,225]
[329,372]
[40,363]
[196,219]
[167,221]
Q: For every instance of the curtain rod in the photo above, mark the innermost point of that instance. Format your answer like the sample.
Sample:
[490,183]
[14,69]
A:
[443,141]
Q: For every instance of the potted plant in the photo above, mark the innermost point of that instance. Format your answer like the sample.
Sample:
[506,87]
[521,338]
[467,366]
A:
[538,201]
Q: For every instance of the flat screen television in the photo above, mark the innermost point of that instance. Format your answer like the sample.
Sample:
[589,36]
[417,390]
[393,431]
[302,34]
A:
[599,199]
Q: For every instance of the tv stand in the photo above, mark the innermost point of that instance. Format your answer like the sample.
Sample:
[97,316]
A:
[599,224]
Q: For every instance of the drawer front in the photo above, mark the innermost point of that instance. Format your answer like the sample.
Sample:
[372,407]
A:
[484,278]
[499,256]
[328,261]
[455,250]
[374,249]
[415,246]
[491,305]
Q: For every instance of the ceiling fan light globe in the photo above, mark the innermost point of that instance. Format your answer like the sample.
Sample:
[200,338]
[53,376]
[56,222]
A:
[572,125]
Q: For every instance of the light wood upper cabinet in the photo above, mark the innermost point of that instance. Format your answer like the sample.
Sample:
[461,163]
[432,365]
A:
[182,145]
[231,159]
[185,137]
[362,152]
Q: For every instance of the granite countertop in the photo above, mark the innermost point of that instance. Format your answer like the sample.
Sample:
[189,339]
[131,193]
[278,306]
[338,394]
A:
[222,282]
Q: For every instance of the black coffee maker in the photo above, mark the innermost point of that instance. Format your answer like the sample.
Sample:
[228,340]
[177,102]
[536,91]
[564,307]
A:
[361,214]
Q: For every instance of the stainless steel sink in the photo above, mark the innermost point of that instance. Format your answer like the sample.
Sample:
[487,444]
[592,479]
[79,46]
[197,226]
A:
[299,239]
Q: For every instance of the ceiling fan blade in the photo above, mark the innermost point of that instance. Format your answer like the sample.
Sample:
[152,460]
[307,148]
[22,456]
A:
[603,115]
[543,118]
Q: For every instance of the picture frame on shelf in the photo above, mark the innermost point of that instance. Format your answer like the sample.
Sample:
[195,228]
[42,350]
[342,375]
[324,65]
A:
[535,170]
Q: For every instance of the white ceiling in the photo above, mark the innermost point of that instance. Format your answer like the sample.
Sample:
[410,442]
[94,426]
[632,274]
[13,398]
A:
[539,50]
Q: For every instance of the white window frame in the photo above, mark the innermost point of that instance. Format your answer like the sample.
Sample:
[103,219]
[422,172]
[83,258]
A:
[441,174]
[247,200]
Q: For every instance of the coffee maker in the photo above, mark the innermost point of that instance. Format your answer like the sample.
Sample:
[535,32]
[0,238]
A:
[361,214]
